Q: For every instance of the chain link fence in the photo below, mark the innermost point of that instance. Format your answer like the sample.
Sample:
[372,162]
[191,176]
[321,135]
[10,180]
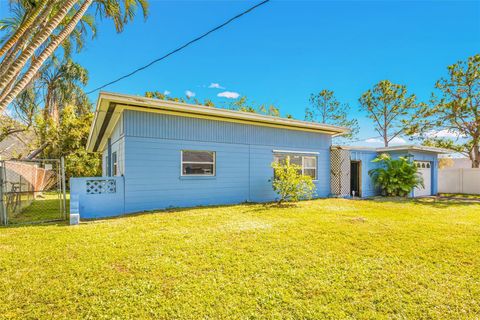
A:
[32,191]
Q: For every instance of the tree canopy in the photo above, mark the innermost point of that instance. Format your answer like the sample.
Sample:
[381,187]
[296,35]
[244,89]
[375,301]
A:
[325,108]
[390,108]
[40,27]
[455,106]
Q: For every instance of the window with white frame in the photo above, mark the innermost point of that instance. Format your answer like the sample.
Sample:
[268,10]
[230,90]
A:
[198,163]
[307,163]
[114,164]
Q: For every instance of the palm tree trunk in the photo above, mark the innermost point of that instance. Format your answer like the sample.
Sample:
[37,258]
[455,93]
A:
[8,87]
[37,41]
[52,46]
[23,28]
[20,45]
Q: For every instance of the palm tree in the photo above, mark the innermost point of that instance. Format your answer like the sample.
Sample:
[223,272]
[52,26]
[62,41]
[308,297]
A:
[42,32]
[62,83]
[24,23]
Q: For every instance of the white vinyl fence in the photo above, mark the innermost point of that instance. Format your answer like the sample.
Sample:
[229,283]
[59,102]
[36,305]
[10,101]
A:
[459,181]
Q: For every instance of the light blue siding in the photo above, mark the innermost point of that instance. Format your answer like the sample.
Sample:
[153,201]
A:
[96,205]
[423,156]
[117,145]
[365,158]
[244,153]
[433,158]
[152,125]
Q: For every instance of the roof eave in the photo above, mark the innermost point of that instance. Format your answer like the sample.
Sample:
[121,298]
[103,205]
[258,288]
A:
[105,98]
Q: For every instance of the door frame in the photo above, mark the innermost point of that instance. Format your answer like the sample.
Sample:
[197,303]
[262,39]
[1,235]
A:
[359,162]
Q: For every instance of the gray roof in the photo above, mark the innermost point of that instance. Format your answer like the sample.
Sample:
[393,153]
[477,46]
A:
[397,148]
[16,145]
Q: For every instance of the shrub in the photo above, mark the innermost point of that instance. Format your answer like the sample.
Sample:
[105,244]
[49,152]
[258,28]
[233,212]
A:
[290,184]
[395,177]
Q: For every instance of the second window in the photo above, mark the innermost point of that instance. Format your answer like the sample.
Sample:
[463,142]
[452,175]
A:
[307,163]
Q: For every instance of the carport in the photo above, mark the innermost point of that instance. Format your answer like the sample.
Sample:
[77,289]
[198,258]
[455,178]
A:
[350,166]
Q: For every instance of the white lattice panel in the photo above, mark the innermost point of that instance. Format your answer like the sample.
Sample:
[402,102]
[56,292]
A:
[101,186]
[340,172]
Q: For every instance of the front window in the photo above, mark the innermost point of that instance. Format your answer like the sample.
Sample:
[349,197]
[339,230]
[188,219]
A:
[198,163]
[307,163]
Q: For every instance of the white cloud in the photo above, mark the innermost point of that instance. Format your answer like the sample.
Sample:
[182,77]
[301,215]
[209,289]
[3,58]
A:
[398,140]
[229,94]
[189,94]
[373,140]
[166,92]
[445,133]
[214,85]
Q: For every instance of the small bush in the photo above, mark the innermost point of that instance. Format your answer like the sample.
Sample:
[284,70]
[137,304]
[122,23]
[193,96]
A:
[290,184]
[395,177]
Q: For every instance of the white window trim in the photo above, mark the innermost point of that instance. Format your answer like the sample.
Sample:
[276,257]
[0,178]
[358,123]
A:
[114,164]
[304,167]
[296,152]
[304,155]
[214,173]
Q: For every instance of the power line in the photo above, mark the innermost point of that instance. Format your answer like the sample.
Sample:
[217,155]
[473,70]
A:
[181,47]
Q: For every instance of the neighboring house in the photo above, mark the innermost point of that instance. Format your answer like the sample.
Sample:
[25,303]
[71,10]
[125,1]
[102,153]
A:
[160,154]
[16,145]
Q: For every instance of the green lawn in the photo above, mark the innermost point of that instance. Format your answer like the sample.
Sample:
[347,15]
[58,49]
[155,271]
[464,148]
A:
[45,207]
[320,259]
[461,196]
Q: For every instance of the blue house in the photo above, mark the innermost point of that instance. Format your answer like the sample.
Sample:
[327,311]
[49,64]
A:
[159,154]
[351,177]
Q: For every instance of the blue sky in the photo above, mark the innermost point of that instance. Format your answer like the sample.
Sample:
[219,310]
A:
[286,50]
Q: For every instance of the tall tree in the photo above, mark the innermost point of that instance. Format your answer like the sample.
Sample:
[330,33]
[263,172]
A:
[390,107]
[68,138]
[325,108]
[162,96]
[22,114]
[62,83]
[48,24]
[448,144]
[455,108]
[243,104]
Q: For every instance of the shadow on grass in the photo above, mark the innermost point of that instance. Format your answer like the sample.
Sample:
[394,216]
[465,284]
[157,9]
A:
[433,201]
[274,205]
[255,207]
[46,212]
[169,210]
[43,210]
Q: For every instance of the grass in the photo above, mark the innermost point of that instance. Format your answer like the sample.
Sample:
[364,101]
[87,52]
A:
[45,207]
[461,196]
[330,258]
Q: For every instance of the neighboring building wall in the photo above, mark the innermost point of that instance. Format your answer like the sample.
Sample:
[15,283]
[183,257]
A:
[244,153]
